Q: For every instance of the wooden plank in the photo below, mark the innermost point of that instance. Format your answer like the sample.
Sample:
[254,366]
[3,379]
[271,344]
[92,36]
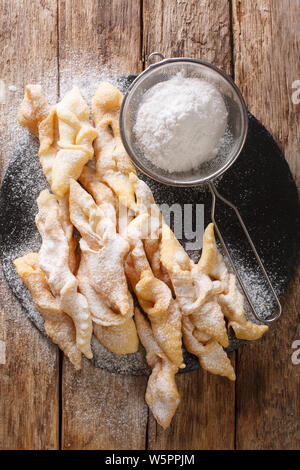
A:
[188,28]
[105,31]
[200,29]
[29,414]
[266,57]
[100,410]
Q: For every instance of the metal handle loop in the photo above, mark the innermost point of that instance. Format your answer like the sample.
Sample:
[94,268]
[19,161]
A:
[216,194]
[150,57]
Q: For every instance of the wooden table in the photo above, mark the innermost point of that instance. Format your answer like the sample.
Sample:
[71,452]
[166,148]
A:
[44,403]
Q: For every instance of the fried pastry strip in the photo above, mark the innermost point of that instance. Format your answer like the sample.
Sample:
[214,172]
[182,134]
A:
[65,135]
[162,395]
[192,287]
[153,294]
[34,108]
[102,247]
[145,204]
[152,291]
[119,339]
[54,261]
[204,329]
[41,119]
[211,355]
[115,331]
[113,164]
[101,273]
[59,326]
[230,298]
[76,136]
[195,290]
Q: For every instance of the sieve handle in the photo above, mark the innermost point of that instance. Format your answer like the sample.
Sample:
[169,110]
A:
[215,194]
[153,54]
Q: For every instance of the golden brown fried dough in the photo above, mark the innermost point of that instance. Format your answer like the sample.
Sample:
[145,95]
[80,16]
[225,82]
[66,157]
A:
[113,164]
[162,395]
[58,274]
[59,326]
[211,355]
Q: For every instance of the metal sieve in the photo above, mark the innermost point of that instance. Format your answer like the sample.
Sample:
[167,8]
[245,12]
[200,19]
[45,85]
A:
[231,147]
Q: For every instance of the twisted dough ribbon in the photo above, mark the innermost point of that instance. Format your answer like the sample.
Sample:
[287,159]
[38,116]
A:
[65,135]
[101,272]
[59,326]
[207,293]
[113,164]
[162,395]
[230,298]
[66,138]
[153,293]
[114,167]
[54,261]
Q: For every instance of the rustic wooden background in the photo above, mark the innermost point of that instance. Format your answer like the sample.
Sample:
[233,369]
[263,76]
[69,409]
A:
[44,404]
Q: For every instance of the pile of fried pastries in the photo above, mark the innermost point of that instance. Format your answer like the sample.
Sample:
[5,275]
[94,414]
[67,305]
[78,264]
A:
[82,281]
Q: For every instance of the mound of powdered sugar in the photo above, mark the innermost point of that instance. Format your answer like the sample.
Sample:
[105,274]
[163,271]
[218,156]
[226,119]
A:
[180,122]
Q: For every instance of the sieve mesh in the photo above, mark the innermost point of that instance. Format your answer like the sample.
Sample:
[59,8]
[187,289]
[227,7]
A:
[231,143]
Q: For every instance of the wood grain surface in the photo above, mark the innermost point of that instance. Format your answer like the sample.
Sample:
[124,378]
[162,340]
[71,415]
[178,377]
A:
[29,411]
[46,404]
[266,39]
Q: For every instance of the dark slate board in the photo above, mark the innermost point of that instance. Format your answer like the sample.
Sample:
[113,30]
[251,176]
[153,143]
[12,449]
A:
[259,183]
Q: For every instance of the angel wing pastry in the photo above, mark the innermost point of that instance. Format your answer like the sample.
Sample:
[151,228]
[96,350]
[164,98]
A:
[76,136]
[101,271]
[156,300]
[115,168]
[230,298]
[65,135]
[34,108]
[34,111]
[152,291]
[204,328]
[41,119]
[66,138]
[195,290]
[116,332]
[145,204]
[59,326]
[113,164]
[61,280]
[210,353]
[162,395]
[191,288]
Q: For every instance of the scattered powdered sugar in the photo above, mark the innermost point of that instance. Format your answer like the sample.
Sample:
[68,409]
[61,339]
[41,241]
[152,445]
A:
[180,122]
[134,364]
[12,133]
[19,236]
[256,285]
[78,71]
